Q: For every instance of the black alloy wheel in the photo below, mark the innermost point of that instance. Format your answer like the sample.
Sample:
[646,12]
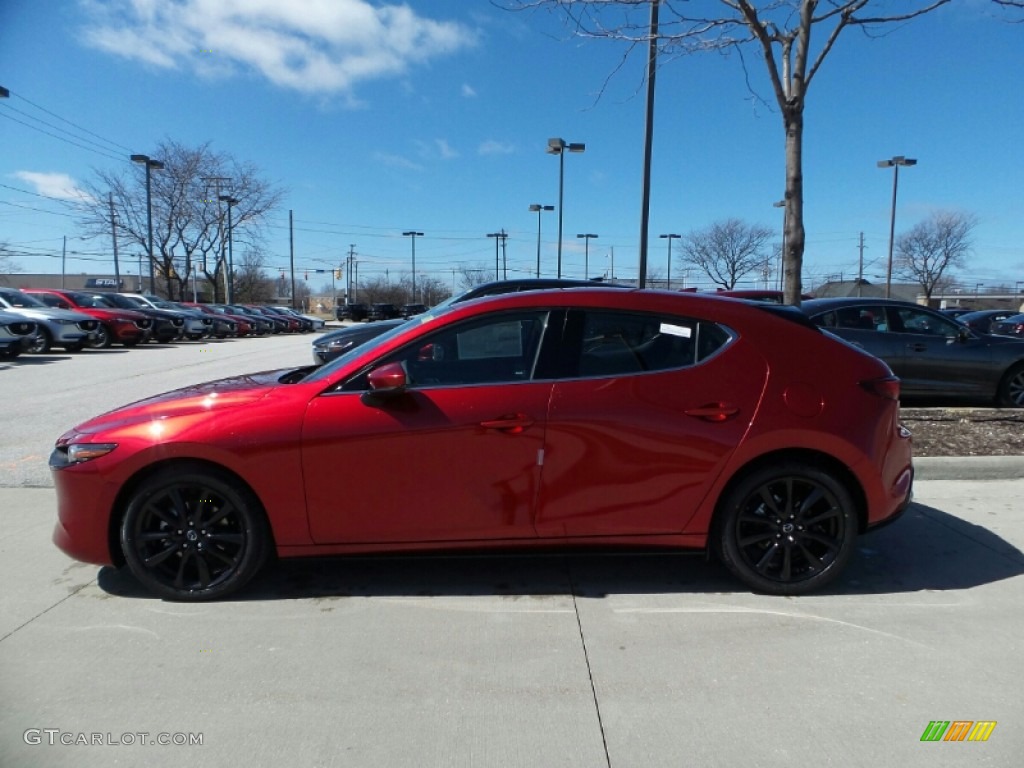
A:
[787,530]
[1011,388]
[192,533]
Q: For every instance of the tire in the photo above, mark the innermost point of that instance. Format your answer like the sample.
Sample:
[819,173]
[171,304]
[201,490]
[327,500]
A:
[10,353]
[103,338]
[42,343]
[192,533]
[1011,388]
[786,529]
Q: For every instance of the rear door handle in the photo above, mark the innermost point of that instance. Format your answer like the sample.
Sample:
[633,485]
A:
[713,412]
[918,347]
[513,425]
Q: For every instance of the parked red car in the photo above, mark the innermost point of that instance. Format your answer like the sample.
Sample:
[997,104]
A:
[116,325]
[580,418]
[243,325]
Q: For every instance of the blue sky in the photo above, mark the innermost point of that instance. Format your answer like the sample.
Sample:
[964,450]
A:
[434,116]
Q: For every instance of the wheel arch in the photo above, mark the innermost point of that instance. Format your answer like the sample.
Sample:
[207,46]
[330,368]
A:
[132,484]
[807,456]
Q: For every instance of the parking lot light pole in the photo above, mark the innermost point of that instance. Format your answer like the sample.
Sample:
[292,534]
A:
[151,165]
[538,209]
[559,147]
[229,282]
[586,254]
[895,164]
[668,275]
[413,234]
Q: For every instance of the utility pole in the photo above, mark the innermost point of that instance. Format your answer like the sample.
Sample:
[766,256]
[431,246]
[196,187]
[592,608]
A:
[113,232]
[215,182]
[63,261]
[860,268]
[291,252]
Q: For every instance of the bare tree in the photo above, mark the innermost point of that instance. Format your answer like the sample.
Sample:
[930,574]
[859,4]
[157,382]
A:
[472,275]
[189,219]
[727,250]
[252,286]
[780,31]
[932,248]
[7,263]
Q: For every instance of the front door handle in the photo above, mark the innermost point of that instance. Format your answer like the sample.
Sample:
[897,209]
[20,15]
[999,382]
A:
[715,412]
[513,424]
[918,347]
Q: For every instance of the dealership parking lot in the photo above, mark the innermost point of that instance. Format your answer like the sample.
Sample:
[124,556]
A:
[516,661]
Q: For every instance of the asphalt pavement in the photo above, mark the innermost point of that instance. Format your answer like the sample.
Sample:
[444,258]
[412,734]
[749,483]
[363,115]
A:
[559,660]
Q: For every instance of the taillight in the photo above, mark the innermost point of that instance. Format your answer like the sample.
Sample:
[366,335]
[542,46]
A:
[887,387]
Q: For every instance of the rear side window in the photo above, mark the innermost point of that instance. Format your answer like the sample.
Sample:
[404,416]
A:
[617,343]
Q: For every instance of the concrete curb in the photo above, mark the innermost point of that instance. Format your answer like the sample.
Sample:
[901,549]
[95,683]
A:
[968,467]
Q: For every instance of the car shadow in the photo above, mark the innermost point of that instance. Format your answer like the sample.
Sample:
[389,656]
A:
[927,550]
[26,358]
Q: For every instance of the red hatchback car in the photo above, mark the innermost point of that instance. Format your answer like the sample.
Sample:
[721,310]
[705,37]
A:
[579,418]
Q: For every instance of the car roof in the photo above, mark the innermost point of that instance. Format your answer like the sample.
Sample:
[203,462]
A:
[812,306]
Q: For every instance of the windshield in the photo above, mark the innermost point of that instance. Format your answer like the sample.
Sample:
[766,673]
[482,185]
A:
[92,300]
[369,346]
[21,300]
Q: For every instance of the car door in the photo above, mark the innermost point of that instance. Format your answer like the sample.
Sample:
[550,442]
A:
[940,356]
[453,458]
[642,424]
[865,325]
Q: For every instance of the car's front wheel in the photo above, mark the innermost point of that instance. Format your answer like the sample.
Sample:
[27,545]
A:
[1011,388]
[193,533]
[787,529]
[102,339]
[41,344]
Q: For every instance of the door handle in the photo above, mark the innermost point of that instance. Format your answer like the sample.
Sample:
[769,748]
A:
[513,425]
[713,412]
[918,347]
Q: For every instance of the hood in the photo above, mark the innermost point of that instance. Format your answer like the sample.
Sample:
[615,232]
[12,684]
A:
[205,398]
[52,313]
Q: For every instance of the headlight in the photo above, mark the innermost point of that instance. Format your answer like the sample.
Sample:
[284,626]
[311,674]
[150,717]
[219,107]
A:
[79,452]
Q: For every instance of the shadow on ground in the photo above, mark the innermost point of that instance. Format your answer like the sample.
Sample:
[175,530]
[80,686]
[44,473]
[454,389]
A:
[927,549]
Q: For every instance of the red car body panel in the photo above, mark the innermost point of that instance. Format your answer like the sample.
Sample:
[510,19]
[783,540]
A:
[637,459]
[122,332]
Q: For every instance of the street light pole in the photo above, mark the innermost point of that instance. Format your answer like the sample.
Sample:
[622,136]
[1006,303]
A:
[538,208]
[586,254]
[668,275]
[895,164]
[229,283]
[151,165]
[559,147]
[413,234]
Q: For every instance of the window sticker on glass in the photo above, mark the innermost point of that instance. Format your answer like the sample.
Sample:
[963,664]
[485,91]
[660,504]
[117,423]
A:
[676,330]
[500,340]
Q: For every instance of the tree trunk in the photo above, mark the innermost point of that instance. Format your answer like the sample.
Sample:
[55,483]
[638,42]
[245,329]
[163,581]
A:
[793,260]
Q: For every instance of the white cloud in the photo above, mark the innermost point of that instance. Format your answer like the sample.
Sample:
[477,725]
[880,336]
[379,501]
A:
[397,161]
[314,46]
[55,185]
[445,149]
[492,147]
[468,91]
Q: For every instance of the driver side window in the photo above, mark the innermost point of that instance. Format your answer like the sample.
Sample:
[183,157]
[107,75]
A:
[496,349]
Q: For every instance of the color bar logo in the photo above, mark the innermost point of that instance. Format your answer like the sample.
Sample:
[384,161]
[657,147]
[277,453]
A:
[958,730]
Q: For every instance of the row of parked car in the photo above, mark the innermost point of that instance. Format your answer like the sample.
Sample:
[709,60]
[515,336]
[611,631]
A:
[372,312]
[977,357]
[36,320]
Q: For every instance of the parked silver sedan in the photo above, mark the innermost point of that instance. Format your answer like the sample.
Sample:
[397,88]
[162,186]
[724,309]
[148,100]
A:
[17,334]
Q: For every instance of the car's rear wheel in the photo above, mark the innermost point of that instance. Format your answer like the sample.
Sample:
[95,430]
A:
[42,342]
[1011,388]
[786,529]
[102,339]
[192,533]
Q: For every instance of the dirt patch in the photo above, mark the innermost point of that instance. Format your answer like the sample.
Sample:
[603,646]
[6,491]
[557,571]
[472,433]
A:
[965,431]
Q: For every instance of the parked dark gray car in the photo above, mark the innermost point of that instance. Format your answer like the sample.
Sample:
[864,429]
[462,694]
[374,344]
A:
[934,355]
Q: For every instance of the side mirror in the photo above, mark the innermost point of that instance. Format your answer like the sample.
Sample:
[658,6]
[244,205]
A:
[964,334]
[385,382]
